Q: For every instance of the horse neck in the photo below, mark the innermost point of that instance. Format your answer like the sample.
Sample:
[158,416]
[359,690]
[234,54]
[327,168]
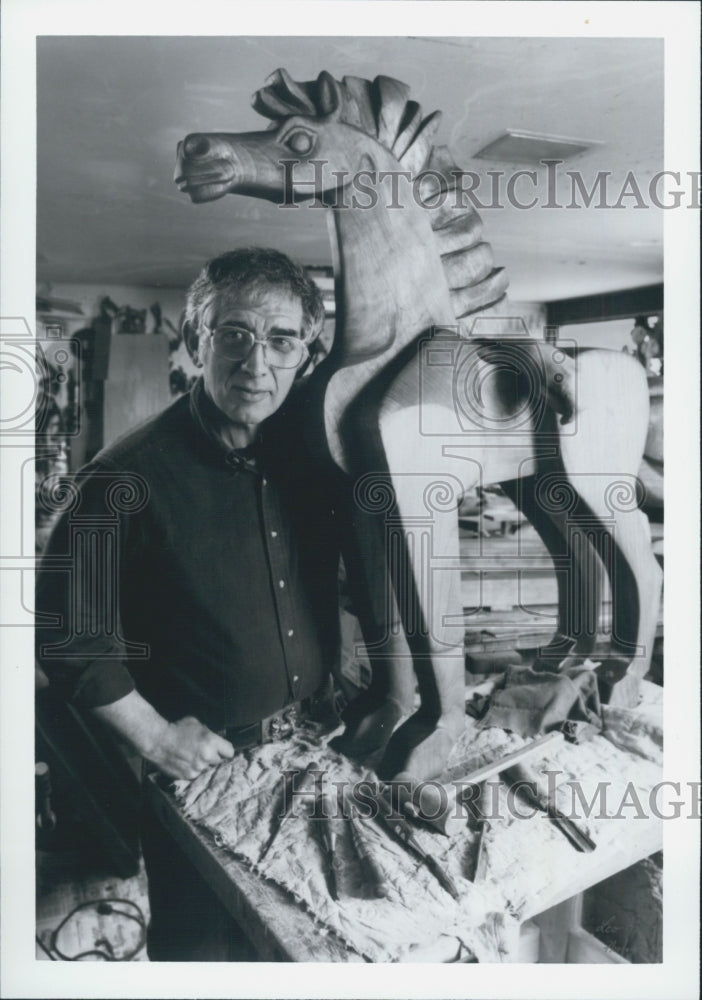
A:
[390,283]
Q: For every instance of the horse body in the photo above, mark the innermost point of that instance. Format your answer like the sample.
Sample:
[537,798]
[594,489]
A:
[415,413]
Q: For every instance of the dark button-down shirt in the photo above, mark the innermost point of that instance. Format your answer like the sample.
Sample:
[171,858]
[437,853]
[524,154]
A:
[205,576]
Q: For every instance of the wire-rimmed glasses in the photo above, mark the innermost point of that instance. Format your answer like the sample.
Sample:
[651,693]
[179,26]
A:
[280,350]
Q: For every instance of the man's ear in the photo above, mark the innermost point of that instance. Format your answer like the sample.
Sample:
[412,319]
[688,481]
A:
[304,368]
[192,341]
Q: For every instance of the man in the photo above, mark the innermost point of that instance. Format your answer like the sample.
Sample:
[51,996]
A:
[218,609]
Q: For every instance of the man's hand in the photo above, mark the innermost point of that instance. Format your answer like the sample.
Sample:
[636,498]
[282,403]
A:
[180,749]
[187,747]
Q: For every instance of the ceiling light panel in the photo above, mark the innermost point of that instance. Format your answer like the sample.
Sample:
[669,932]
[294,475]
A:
[532,147]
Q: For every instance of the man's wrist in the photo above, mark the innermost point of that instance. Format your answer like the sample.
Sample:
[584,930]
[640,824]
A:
[152,739]
[137,721]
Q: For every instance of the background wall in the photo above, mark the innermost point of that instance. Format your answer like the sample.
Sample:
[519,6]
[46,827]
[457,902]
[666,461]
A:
[509,318]
[614,334]
[89,296]
[110,381]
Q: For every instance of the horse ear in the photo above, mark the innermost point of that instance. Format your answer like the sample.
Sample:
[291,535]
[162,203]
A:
[296,94]
[329,94]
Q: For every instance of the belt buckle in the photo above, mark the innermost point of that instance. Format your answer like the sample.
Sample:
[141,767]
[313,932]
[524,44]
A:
[282,725]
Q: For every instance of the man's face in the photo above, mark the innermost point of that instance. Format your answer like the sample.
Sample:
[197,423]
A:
[250,390]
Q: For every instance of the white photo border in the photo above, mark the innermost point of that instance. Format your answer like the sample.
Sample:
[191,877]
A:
[678,24]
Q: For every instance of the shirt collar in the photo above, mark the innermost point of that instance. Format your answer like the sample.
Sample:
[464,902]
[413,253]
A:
[210,420]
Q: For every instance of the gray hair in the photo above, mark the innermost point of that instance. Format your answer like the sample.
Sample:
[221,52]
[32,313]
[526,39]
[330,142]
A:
[254,268]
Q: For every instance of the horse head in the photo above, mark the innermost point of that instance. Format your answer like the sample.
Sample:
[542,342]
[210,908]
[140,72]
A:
[327,134]
[322,134]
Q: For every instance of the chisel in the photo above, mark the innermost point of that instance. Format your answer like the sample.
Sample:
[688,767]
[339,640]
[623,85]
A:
[480,867]
[287,801]
[401,829]
[525,782]
[372,872]
[323,809]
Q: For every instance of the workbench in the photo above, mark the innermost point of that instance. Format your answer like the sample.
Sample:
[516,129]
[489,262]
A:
[534,866]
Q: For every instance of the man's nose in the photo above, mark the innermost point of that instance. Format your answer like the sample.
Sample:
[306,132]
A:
[256,363]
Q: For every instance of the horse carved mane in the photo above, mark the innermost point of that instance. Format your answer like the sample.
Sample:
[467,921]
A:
[381,108]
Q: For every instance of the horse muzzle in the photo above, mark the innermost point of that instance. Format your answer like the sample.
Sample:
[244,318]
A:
[205,169]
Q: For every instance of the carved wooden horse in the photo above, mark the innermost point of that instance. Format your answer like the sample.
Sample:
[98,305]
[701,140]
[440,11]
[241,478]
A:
[416,413]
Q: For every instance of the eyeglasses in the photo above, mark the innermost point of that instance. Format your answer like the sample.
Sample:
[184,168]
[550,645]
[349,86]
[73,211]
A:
[236,344]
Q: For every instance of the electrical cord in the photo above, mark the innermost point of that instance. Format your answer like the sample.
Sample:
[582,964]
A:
[103,907]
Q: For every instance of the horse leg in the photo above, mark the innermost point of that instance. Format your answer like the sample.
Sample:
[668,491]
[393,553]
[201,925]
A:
[422,555]
[602,465]
[371,717]
[579,570]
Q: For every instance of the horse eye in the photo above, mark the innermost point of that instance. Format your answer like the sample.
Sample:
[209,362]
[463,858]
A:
[299,141]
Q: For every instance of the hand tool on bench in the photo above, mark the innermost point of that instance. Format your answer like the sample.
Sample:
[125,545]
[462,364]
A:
[480,866]
[289,789]
[402,831]
[372,872]
[452,815]
[323,813]
[526,784]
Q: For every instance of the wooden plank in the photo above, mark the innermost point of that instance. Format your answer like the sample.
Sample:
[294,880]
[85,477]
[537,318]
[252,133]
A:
[524,548]
[481,774]
[508,590]
[520,628]
[634,840]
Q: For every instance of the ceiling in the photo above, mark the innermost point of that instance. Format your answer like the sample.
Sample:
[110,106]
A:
[111,110]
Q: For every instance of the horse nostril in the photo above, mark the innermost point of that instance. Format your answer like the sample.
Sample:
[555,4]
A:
[196,145]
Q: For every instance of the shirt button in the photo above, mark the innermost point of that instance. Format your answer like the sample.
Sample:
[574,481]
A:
[295,679]
[274,534]
[291,632]
[265,482]
[281,583]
